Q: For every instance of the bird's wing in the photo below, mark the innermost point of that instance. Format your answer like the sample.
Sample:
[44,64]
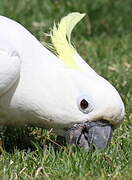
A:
[9,69]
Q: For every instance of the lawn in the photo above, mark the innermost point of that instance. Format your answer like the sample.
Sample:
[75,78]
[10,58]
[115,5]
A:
[104,40]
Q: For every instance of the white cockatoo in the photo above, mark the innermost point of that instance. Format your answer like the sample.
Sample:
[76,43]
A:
[55,90]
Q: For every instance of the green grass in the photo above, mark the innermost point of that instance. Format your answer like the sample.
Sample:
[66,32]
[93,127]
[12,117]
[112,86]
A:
[104,39]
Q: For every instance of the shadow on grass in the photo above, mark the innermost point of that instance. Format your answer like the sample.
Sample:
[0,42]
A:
[26,139]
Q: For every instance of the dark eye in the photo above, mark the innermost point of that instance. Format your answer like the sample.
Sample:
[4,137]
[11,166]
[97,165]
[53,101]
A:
[84,104]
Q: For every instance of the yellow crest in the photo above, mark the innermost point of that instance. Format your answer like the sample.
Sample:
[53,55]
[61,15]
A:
[61,39]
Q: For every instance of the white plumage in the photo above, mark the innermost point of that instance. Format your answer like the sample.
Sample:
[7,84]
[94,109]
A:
[39,89]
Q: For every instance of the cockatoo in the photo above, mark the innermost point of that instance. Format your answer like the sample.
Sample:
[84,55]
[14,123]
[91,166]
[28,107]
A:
[55,90]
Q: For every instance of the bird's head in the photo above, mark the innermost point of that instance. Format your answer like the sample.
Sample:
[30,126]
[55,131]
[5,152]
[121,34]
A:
[89,105]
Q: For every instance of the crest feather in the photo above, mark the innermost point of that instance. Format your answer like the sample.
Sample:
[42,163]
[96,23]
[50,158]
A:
[61,39]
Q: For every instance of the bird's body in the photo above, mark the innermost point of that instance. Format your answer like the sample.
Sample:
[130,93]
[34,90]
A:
[26,100]
[38,89]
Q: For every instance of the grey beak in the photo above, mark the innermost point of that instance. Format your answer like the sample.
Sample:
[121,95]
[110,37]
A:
[96,134]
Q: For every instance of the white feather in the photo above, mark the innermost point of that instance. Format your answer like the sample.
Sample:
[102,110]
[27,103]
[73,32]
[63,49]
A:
[46,93]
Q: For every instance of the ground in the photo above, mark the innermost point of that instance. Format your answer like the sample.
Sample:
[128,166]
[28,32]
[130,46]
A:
[104,40]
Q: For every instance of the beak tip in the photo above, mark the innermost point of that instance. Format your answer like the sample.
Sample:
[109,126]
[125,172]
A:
[100,136]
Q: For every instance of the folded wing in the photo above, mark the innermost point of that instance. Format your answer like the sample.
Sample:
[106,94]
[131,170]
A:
[9,69]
